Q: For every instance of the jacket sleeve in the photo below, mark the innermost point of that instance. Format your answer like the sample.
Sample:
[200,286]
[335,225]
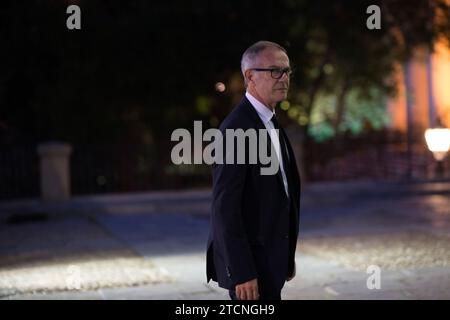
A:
[230,235]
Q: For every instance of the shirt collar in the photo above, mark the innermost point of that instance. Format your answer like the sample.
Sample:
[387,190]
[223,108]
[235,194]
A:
[264,113]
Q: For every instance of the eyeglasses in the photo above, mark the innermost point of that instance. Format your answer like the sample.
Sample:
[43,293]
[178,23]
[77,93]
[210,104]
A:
[275,73]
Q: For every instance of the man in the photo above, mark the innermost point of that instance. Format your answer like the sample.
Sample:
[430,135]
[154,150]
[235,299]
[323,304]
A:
[254,219]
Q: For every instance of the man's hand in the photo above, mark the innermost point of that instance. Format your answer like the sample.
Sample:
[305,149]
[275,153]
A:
[247,290]
[293,273]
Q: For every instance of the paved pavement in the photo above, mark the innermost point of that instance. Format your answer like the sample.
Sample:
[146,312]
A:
[404,229]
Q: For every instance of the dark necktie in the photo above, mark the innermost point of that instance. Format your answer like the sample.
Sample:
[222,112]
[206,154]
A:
[283,147]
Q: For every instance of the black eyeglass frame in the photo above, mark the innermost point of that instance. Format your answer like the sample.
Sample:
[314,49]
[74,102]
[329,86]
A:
[287,70]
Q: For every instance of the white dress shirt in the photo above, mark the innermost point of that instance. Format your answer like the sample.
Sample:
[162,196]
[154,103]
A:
[266,115]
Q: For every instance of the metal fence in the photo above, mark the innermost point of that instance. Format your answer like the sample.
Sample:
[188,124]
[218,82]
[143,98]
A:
[19,172]
[123,168]
[380,164]
[374,159]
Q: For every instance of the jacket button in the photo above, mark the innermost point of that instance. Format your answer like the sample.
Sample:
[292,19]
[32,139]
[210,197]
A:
[286,237]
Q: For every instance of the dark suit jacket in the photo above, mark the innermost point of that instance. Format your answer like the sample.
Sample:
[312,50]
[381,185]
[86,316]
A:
[254,225]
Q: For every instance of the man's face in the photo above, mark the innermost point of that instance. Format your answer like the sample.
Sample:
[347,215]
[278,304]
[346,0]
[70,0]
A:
[261,83]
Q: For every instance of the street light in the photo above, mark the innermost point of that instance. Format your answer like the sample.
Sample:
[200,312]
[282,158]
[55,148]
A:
[438,142]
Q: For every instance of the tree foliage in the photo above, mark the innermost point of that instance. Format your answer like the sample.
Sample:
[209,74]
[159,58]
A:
[138,69]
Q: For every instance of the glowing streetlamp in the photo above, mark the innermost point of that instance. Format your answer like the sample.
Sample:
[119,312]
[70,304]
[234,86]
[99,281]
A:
[438,141]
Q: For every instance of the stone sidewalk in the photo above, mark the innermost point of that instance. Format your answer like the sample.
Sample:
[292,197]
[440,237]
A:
[345,227]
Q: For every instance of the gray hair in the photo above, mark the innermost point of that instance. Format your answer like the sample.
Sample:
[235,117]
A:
[254,50]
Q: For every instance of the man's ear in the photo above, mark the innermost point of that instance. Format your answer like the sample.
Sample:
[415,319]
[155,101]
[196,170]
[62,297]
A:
[248,75]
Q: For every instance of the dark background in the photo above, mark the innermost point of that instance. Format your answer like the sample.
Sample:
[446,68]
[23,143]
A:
[116,89]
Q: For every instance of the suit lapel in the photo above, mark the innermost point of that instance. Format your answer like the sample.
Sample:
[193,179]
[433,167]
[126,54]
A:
[251,112]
